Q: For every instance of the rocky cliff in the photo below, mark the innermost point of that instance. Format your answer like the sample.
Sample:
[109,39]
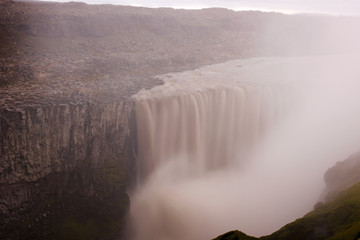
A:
[342,176]
[37,141]
[67,72]
[61,163]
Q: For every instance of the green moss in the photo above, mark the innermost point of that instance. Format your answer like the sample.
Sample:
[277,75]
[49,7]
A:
[347,232]
[339,217]
[71,229]
[235,235]
[88,204]
[335,220]
[112,175]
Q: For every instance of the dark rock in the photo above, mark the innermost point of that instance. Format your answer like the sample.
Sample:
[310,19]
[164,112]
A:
[65,169]
[342,176]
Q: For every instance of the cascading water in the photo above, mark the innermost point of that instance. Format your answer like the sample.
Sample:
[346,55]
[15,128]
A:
[210,128]
[199,138]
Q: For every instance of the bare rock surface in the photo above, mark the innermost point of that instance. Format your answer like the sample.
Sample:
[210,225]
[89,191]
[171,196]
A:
[60,52]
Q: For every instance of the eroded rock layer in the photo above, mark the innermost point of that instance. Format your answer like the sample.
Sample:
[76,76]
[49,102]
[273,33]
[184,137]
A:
[65,166]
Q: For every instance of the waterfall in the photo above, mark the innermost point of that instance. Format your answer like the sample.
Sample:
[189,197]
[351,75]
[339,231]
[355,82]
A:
[198,123]
[227,146]
[210,128]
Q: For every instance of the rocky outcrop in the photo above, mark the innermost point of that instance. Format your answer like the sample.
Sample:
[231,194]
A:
[36,141]
[342,176]
[64,163]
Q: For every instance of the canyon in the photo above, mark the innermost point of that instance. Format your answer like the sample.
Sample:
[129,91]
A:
[71,79]
[222,146]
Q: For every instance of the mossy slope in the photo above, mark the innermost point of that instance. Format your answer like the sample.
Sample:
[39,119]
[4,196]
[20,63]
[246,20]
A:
[335,220]
[235,235]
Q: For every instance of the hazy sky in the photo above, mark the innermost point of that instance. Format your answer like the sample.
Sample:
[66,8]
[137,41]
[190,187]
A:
[337,7]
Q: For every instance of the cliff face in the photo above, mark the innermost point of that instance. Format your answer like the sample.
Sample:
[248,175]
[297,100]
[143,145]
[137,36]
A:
[68,162]
[36,141]
[342,176]
[67,71]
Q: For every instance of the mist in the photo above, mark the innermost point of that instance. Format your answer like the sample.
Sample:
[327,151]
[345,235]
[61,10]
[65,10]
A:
[134,123]
[333,7]
[280,177]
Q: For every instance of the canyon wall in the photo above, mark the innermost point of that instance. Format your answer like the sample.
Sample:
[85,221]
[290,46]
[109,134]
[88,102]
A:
[39,140]
[63,166]
[341,177]
[67,74]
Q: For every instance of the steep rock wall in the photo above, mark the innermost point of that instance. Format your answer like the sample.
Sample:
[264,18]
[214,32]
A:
[73,155]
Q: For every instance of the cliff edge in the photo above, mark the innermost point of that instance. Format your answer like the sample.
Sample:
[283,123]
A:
[67,71]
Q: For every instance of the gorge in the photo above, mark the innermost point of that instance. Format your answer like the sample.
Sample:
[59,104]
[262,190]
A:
[189,194]
[121,122]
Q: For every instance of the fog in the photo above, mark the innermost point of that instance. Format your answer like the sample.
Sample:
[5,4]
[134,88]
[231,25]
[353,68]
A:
[241,144]
[280,178]
[333,7]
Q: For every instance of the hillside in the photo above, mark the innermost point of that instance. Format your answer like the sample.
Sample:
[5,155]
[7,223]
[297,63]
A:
[337,219]
[342,176]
